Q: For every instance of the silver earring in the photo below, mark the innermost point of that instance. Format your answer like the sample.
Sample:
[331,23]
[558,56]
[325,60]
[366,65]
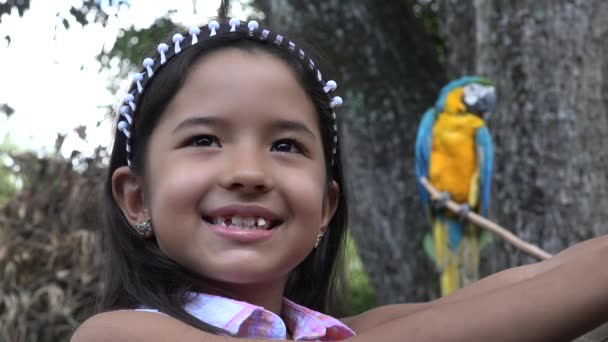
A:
[319,237]
[144,229]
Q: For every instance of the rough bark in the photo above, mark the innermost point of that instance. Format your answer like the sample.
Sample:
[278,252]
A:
[550,63]
[388,73]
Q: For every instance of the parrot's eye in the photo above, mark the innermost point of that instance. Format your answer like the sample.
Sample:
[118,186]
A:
[472,89]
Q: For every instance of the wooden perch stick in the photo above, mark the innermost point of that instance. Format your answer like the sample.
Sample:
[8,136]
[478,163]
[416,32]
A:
[482,222]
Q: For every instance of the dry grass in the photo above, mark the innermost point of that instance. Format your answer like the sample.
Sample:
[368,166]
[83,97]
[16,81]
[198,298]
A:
[50,250]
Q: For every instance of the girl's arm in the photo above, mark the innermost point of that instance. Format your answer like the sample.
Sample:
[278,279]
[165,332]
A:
[556,305]
[491,283]
[387,313]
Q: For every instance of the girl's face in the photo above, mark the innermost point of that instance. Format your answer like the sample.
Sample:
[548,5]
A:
[235,183]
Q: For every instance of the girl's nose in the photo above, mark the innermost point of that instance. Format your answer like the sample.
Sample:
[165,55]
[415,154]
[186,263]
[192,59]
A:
[247,175]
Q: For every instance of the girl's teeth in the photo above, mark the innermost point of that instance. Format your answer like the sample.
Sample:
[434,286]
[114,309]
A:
[249,222]
[240,222]
[237,221]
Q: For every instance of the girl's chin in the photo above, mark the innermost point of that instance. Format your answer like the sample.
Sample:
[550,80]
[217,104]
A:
[249,266]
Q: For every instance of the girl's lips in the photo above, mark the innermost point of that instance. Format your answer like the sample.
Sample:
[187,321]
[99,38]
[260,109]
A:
[243,215]
[238,234]
[242,235]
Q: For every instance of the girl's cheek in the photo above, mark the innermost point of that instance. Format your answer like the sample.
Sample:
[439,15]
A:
[312,191]
[180,182]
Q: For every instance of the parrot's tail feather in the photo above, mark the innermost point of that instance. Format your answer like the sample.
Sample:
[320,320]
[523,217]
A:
[469,252]
[446,260]
[441,244]
[455,231]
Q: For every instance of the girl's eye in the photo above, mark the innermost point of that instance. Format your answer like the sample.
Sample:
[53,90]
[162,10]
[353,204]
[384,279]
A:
[286,145]
[203,141]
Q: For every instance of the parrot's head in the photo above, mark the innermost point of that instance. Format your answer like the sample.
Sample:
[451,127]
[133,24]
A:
[468,94]
[480,98]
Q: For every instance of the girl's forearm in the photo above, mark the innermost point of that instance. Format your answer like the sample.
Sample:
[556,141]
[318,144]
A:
[556,305]
[488,284]
[387,313]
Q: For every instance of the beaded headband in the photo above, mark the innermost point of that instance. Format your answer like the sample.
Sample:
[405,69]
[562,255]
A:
[166,52]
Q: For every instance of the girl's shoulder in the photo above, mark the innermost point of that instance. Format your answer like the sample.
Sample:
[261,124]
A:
[132,325]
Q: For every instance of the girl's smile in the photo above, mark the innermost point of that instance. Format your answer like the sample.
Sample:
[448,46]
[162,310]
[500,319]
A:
[243,223]
[244,217]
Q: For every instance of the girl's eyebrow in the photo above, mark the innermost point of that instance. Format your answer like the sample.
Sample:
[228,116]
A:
[290,125]
[199,121]
[277,125]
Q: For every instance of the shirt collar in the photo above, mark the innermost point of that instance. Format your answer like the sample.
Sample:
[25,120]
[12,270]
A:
[242,319]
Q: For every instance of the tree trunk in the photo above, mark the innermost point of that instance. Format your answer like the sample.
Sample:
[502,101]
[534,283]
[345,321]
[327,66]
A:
[550,130]
[388,74]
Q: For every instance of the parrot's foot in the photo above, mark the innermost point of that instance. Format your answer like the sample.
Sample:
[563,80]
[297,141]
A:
[442,200]
[463,211]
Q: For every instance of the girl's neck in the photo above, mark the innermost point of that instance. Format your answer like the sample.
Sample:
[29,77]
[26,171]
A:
[268,295]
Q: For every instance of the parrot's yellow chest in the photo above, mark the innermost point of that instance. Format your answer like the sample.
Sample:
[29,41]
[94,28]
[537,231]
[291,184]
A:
[453,164]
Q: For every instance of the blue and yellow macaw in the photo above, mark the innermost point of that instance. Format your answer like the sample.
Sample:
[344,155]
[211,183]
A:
[454,152]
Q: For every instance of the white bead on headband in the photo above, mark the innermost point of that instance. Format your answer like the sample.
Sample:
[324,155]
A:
[127,111]
[213,26]
[234,23]
[138,77]
[194,32]
[177,39]
[162,48]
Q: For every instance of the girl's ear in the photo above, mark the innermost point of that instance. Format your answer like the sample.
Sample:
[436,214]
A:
[330,204]
[128,194]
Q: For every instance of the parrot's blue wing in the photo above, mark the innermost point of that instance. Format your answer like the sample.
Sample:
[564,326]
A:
[483,142]
[424,141]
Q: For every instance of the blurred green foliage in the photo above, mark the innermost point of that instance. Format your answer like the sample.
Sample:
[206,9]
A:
[360,295]
[132,44]
[8,185]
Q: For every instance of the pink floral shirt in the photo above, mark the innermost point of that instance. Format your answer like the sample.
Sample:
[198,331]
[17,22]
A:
[242,319]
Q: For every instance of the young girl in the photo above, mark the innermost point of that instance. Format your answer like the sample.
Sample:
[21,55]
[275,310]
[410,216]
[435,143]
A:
[225,213]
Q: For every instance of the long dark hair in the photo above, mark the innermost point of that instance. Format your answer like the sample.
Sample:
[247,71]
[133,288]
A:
[138,273]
